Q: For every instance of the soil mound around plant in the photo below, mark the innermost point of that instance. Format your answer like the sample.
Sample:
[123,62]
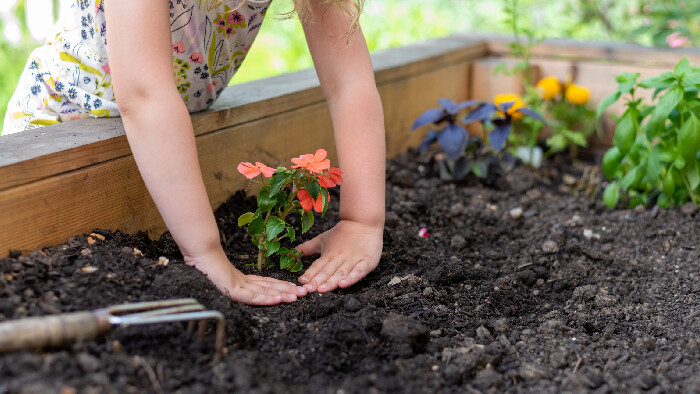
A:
[516,289]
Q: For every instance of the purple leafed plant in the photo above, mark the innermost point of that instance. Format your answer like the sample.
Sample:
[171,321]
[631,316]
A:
[452,137]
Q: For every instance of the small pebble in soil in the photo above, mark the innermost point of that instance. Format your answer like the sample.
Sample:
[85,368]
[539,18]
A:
[575,220]
[516,213]
[550,247]
[458,243]
[689,208]
[589,234]
[89,269]
[163,261]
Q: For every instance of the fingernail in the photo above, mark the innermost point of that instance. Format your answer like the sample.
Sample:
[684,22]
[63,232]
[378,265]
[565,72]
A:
[291,297]
[304,279]
[322,288]
[342,282]
[301,290]
[309,287]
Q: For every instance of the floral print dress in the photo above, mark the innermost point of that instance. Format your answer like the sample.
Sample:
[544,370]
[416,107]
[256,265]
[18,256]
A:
[69,77]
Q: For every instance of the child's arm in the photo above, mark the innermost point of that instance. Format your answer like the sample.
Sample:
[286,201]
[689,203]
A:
[160,134]
[351,249]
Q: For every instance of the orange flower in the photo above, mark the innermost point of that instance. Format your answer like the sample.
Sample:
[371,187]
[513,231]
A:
[510,98]
[314,163]
[307,202]
[549,87]
[577,95]
[251,171]
[331,178]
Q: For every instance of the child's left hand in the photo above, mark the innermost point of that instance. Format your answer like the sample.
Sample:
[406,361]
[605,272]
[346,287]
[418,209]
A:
[349,251]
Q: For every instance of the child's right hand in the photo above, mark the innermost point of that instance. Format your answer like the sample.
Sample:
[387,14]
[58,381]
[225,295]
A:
[248,289]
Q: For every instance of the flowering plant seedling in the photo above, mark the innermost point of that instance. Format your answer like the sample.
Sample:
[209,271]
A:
[571,119]
[656,146]
[452,137]
[500,116]
[283,191]
[461,149]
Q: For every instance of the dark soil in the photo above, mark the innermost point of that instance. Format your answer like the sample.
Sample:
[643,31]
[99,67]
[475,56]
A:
[567,297]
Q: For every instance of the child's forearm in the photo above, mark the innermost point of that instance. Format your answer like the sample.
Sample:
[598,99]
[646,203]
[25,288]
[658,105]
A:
[160,134]
[358,122]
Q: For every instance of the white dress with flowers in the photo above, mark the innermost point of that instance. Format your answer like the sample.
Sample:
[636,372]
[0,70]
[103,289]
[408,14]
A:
[69,77]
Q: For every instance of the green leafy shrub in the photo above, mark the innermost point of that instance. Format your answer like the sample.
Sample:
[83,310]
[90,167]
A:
[654,157]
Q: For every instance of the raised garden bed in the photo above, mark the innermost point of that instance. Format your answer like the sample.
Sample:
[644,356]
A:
[486,302]
[492,300]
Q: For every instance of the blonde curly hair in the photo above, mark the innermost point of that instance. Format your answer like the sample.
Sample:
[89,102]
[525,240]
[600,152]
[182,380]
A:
[353,8]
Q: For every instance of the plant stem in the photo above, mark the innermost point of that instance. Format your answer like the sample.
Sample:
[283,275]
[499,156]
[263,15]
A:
[261,259]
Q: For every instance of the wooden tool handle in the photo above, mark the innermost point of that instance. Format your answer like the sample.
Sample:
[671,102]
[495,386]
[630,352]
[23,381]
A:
[53,330]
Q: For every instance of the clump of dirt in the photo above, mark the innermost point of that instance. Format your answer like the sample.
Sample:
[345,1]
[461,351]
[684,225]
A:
[519,287]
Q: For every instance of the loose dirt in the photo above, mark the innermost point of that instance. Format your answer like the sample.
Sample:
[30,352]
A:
[520,287]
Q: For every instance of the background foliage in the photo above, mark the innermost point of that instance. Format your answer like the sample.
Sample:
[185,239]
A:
[281,47]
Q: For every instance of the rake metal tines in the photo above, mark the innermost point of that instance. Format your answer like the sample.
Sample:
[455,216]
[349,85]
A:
[184,309]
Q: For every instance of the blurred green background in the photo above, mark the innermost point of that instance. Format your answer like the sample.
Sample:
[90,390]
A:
[280,46]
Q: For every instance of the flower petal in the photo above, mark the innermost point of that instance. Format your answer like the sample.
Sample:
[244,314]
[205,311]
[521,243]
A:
[248,170]
[305,199]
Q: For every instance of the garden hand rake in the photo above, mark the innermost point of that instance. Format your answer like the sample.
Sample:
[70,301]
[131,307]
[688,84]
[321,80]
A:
[66,328]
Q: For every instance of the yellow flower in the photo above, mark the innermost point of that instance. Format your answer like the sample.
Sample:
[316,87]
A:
[577,95]
[549,87]
[510,98]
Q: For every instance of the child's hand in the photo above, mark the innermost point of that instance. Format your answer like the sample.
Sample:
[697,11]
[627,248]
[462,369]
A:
[248,289]
[349,251]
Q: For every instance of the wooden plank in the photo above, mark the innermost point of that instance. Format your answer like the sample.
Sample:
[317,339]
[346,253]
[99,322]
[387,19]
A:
[593,51]
[112,195]
[41,153]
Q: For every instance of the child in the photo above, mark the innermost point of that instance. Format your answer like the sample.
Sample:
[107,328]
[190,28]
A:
[117,58]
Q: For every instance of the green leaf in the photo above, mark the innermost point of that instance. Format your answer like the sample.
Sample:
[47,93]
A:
[668,184]
[274,226]
[661,82]
[611,195]
[663,201]
[286,262]
[312,187]
[681,67]
[265,202]
[256,226]
[627,82]
[324,193]
[307,220]
[297,267]
[691,174]
[607,102]
[689,139]
[611,161]
[245,218]
[282,201]
[654,166]
[679,162]
[272,247]
[291,233]
[692,78]
[666,104]
[625,133]
[630,179]
[278,180]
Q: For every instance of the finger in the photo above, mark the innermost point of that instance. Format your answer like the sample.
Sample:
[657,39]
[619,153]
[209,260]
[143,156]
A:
[310,247]
[340,273]
[254,295]
[279,285]
[316,267]
[361,270]
[328,270]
